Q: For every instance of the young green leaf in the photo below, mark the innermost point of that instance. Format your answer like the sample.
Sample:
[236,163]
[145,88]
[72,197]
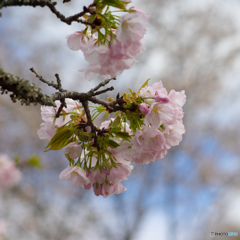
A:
[60,139]
[144,85]
[110,143]
[123,135]
[115,3]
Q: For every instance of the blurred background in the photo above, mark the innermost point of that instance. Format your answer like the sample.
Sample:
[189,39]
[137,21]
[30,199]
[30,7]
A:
[190,45]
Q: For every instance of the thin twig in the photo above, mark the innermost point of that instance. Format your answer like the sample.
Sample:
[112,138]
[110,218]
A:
[63,104]
[103,91]
[59,83]
[57,86]
[102,84]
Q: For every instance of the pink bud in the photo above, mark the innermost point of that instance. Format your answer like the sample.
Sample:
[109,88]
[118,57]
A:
[88,129]
[92,9]
[161,97]
[144,108]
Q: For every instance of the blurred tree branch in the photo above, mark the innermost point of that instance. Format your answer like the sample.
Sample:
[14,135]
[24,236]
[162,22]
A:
[51,5]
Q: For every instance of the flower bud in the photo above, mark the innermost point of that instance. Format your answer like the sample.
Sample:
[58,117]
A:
[161,97]
[144,108]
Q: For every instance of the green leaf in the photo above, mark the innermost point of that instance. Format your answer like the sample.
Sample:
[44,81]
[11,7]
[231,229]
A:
[116,122]
[130,90]
[115,3]
[123,135]
[35,161]
[144,85]
[60,139]
[71,161]
[92,17]
[110,143]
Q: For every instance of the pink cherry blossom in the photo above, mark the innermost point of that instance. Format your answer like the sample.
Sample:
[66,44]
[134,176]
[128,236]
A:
[132,27]
[76,175]
[108,189]
[121,172]
[80,41]
[177,98]
[48,128]
[150,92]
[9,173]
[97,176]
[173,134]
[151,142]
[110,61]
[73,149]
[160,113]
[146,146]
[161,97]
[107,61]
[135,48]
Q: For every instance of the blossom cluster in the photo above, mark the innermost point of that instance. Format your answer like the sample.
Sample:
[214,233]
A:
[105,180]
[102,161]
[124,44]
[9,173]
[162,127]
[146,124]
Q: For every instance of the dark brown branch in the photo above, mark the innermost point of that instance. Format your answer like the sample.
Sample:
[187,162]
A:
[103,91]
[102,84]
[51,6]
[63,104]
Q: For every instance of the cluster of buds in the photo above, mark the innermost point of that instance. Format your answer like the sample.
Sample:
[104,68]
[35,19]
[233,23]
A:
[109,54]
[148,124]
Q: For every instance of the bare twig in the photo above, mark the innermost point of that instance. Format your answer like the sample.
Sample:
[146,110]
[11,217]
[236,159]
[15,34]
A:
[59,83]
[102,84]
[103,91]
[57,86]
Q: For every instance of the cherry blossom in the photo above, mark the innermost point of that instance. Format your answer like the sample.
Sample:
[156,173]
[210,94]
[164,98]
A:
[108,189]
[173,134]
[107,61]
[80,41]
[73,149]
[9,173]
[76,175]
[48,127]
[132,27]
[110,61]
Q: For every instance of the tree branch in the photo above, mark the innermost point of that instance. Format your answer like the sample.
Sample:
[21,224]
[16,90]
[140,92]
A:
[51,5]
[28,93]
[23,91]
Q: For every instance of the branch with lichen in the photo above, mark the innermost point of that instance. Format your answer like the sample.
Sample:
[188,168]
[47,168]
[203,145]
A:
[22,90]
[27,93]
